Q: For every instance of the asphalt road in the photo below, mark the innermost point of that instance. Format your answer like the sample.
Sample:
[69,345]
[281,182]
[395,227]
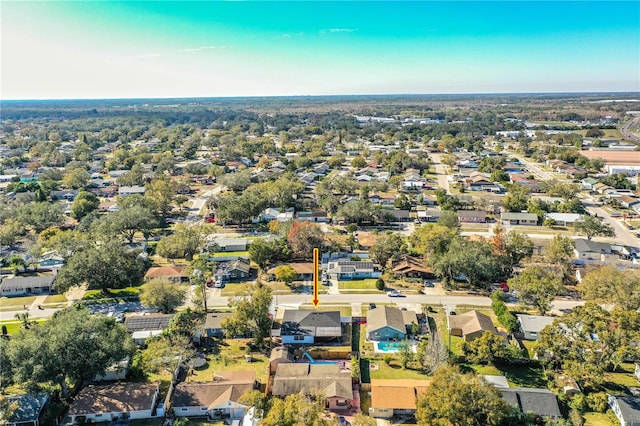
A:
[623,235]
[441,171]
[626,129]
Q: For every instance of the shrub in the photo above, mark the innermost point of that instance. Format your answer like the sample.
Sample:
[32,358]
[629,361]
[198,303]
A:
[380,284]
[597,402]
[578,402]
[387,359]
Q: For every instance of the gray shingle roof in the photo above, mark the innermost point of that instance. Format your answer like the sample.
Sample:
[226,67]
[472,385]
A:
[540,402]
[304,377]
[385,316]
[312,323]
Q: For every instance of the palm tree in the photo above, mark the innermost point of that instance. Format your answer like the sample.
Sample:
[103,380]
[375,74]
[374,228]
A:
[24,318]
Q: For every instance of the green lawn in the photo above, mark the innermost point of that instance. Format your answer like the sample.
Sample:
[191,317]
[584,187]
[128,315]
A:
[116,294]
[517,375]
[13,326]
[394,371]
[56,298]
[623,376]
[598,419]
[229,354]
[345,310]
[11,303]
[366,284]
[224,254]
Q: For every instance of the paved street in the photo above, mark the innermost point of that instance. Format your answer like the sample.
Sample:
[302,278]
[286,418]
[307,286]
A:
[623,235]
[441,171]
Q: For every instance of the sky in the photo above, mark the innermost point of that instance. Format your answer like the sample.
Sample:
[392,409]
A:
[145,49]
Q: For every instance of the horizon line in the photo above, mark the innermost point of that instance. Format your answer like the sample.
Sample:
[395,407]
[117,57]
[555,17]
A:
[631,92]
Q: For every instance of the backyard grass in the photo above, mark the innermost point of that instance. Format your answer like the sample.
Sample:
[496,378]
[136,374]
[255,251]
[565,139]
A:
[394,370]
[623,376]
[366,284]
[224,254]
[15,302]
[517,375]
[598,419]
[229,355]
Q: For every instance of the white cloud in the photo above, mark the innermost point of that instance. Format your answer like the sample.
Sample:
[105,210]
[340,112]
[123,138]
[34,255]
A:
[338,30]
[198,49]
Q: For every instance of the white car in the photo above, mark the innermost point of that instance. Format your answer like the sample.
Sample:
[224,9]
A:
[394,293]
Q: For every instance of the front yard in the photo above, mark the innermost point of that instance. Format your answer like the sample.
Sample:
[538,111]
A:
[359,286]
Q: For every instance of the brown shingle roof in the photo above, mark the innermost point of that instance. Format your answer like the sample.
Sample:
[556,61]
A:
[210,394]
[471,322]
[120,397]
[176,271]
[385,316]
[396,394]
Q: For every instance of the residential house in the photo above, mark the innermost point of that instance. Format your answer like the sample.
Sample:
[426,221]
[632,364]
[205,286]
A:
[304,270]
[312,216]
[308,327]
[234,270]
[411,267]
[532,325]
[479,182]
[213,324]
[511,218]
[389,323]
[123,191]
[602,188]
[531,184]
[175,273]
[142,327]
[228,244]
[117,371]
[308,378]
[628,201]
[26,285]
[352,270]
[540,402]
[280,355]
[51,259]
[270,214]
[472,216]
[218,399]
[592,251]
[563,219]
[397,216]
[470,325]
[119,401]
[395,397]
[429,215]
[66,195]
[28,409]
[626,408]
[382,198]
[588,183]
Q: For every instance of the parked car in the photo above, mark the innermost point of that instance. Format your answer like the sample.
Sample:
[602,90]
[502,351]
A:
[394,293]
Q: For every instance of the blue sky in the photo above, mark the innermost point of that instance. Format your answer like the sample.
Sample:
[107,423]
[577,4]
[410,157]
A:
[109,49]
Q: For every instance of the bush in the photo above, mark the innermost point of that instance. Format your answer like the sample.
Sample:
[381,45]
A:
[387,359]
[597,402]
[578,402]
[506,318]
[380,284]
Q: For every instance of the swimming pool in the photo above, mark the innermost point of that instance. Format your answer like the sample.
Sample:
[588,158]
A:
[390,347]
